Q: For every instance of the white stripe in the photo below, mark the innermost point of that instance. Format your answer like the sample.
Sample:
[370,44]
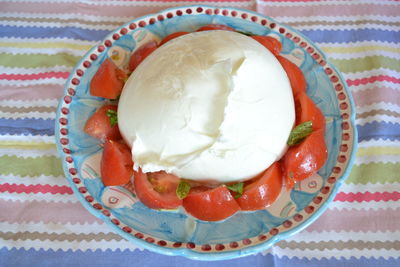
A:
[377,118]
[47,40]
[48,197]
[69,16]
[378,105]
[45,51]
[373,72]
[377,159]
[28,180]
[334,253]
[379,143]
[30,103]
[61,25]
[345,27]
[314,236]
[369,187]
[102,245]
[325,3]
[57,228]
[365,53]
[58,81]
[290,19]
[8,70]
[27,138]
[360,87]
[364,205]
[31,115]
[27,153]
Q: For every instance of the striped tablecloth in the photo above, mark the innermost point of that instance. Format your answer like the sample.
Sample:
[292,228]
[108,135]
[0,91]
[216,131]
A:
[43,224]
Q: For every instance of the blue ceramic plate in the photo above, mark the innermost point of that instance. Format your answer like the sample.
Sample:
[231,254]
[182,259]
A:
[173,232]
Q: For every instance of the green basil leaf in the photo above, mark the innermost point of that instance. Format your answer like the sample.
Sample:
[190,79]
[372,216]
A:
[113,116]
[237,188]
[245,33]
[183,189]
[300,132]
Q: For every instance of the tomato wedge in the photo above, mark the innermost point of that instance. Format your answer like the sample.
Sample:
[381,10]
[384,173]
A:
[99,125]
[108,80]
[172,36]
[212,27]
[263,191]
[295,75]
[270,43]
[305,159]
[306,110]
[141,53]
[116,165]
[157,190]
[210,204]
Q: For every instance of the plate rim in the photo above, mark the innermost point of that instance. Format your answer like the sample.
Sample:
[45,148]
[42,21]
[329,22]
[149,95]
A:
[183,251]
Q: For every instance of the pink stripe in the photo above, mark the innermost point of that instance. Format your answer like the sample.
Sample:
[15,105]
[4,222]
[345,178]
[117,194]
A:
[31,92]
[35,188]
[367,196]
[325,9]
[46,212]
[103,10]
[372,79]
[357,220]
[376,94]
[35,76]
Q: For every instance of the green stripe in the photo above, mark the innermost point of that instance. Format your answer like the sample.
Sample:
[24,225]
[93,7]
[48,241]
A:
[374,173]
[46,165]
[38,60]
[366,63]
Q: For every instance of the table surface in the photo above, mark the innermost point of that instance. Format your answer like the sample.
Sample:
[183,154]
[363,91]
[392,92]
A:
[41,221]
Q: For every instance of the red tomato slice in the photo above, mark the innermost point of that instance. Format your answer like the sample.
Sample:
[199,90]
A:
[172,36]
[270,43]
[108,81]
[210,204]
[99,126]
[157,190]
[263,191]
[295,75]
[212,27]
[305,159]
[306,110]
[116,163]
[141,53]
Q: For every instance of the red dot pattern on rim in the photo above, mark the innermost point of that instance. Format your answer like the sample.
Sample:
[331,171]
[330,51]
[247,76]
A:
[263,22]
[199,9]
[316,56]
[132,26]
[65,111]
[67,99]
[142,23]
[345,116]
[344,148]
[206,247]
[336,169]
[71,91]
[209,11]
[87,64]
[289,35]
[309,209]
[76,180]
[139,235]
[177,244]
[246,241]
[310,49]
[115,221]
[303,44]
[234,13]
[287,224]
[107,43]
[343,105]
[274,231]
[262,237]
[331,180]
[115,36]
[79,72]
[123,31]
[97,206]
[190,245]
[127,229]
[89,198]
[73,171]
[298,217]
[244,16]
[342,158]
[149,240]
[160,17]
[106,213]
[225,12]
[63,121]
[66,151]
[162,243]
[179,12]
[188,11]
[322,62]
[342,96]
[219,247]
[345,125]
[93,57]
[69,159]
[334,79]
[325,190]
[233,244]
[272,25]
[101,48]
[346,136]
[75,81]
[152,21]
[281,30]
[254,18]
[169,15]
[317,199]
[216,11]
[338,87]
[82,189]
[64,141]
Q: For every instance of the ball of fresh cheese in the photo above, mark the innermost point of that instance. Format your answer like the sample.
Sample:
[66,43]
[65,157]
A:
[212,105]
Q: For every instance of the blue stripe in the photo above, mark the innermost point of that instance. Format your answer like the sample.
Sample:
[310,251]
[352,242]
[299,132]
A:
[31,257]
[376,130]
[345,36]
[27,126]
[45,32]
